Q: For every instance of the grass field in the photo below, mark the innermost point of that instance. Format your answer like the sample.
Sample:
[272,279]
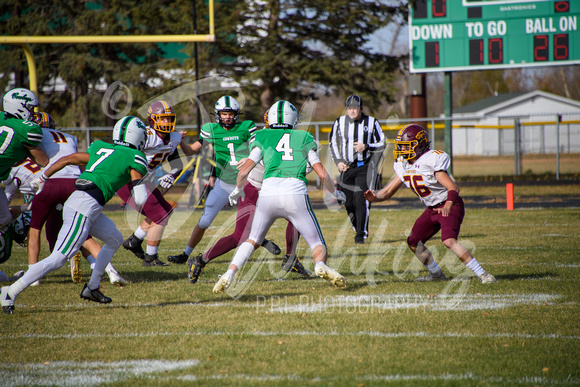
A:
[279,329]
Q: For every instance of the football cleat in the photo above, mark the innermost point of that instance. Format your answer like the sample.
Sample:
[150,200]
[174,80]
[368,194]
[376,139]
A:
[94,295]
[7,300]
[223,283]
[359,240]
[75,268]
[439,276]
[291,263]
[271,247]
[153,260]
[133,244]
[116,279]
[331,275]
[196,265]
[181,258]
[487,278]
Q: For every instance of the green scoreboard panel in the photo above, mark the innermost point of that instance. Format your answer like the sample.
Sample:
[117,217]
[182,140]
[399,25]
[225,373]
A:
[458,35]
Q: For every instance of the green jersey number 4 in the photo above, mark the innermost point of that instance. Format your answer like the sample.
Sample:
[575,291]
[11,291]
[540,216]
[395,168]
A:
[284,147]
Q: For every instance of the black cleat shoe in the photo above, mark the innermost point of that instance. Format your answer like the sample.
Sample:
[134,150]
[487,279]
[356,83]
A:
[181,258]
[153,260]
[94,295]
[196,265]
[133,244]
[359,240]
[292,264]
[271,247]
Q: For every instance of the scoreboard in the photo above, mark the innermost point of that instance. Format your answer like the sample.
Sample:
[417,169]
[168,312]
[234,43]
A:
[458,35]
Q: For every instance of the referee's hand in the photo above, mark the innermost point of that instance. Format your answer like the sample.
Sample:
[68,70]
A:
[359,146]
[342,167]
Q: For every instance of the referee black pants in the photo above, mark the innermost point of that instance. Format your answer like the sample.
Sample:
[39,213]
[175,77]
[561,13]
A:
[354,182]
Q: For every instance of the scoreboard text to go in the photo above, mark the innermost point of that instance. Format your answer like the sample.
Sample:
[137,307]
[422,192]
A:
[448,35]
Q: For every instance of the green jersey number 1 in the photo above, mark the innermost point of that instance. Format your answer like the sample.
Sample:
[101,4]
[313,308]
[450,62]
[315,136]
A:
[284,147]
[233,160]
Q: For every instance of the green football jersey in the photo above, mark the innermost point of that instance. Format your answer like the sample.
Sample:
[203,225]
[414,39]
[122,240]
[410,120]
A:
[284,151]
[110,166]
[16,137]
[230,146]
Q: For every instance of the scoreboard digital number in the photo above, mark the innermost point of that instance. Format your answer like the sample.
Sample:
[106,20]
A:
[458,35]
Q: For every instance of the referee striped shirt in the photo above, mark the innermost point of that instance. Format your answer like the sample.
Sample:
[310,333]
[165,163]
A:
[345,132]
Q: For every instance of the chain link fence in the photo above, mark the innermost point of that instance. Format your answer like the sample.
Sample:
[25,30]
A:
[531,147]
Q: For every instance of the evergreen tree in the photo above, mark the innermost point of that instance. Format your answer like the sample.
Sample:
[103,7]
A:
[296,49]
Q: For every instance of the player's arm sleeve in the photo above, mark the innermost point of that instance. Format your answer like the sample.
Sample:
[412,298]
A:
[140,164]
[313,157]
[395,167]
[206,133]
[256,155]
[175,163]
[251,126]
[441,162]
[139,190]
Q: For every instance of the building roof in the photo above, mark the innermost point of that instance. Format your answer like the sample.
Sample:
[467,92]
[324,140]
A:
[532,102]
[486,103]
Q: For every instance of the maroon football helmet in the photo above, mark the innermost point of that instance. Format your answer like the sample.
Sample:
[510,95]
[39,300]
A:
[411,142]
[157,110]
[45,120]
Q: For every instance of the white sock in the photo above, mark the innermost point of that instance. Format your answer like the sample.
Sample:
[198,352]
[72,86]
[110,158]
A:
[433,267]
[230,273]
[188,250]
[152,250]
[243,253]
[475,267]
[139,233]
[319,264]
[35,283]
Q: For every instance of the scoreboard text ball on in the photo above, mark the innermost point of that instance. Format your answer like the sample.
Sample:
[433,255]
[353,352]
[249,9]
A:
[456,35]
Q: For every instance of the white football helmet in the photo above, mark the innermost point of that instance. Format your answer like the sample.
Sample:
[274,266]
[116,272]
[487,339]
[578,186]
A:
[130,131]
[20,102]
[227,104]
[282,115]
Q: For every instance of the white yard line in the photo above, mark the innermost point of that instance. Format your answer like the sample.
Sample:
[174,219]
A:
[454,298]
[385,335]
[95,373]
[69,373]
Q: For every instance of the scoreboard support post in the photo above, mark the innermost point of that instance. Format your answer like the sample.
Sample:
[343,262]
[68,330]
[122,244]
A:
[448,113]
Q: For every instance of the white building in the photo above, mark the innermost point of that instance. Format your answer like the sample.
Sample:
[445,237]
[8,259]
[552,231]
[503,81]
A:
[486,128]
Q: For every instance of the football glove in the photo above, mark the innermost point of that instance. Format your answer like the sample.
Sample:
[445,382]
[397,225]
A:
[38,182]
[236,193]
[167,181]
[340,197]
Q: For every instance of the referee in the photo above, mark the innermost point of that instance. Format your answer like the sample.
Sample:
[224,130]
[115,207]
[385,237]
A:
[357,143]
